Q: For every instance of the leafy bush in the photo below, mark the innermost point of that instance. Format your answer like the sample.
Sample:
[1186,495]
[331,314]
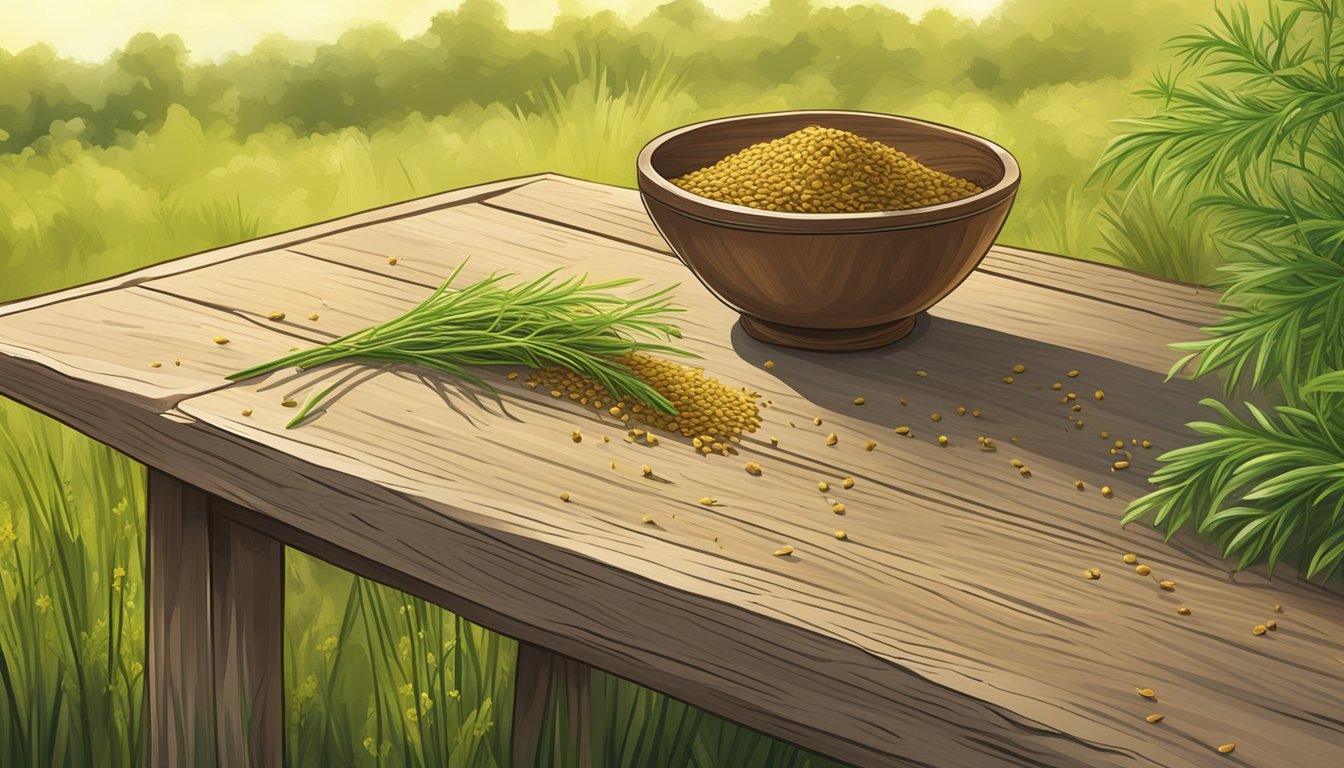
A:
[1255,115]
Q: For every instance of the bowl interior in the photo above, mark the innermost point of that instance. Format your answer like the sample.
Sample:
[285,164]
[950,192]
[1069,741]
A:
[938,147]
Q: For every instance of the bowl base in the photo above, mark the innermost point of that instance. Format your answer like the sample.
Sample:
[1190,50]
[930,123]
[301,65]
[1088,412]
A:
[827,340]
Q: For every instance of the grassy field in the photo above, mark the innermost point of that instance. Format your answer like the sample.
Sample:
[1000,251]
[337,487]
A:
[147,156]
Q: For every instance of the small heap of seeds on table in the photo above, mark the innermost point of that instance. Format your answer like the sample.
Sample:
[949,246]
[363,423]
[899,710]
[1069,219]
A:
[714,415]
[824,170]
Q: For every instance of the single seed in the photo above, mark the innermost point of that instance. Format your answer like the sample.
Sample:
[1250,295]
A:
[768,364]
[392,261]
[289,403]
[1057,386]
[1105,435]
[1092,573]
[648,519]
[1071,396]
[841,535]
[156,364]
[1258,629]
[1227,748]
[921,374]
[606,438]
[1106,491]
[1024,471]
[1146,444]
[1013,438]
[1146,693]
[1183,611]
[1142,569]
[859,401]
[961,410]
[936,416]
[613,465]
[556,393]
[1072,374]
[831,439]
[708,501]
[847,483]
[220,340]
[823,486]
[1019,368]
[904,401]
[816,420]
[1017,463]
[646,470]
[179,361]
[1130,558]
[512,375]
[1121,465]
[1154,718]
[1099,395]
[276,316]
[1007,379]
[869,446]
[988,445]
[313,316]
[1272,625]
[838,508]
[902,430]
[576,437]
[753,468]
[1078,484]
[1167,584]
[247,411]
[774,440]
[976,413]
[651,439]
[783,551]
[1078,423]
[1119,443]
[942,440]
[1278,608]
[564,496]
[1077,407]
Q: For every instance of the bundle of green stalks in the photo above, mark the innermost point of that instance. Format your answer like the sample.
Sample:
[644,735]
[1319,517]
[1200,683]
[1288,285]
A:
[572,324]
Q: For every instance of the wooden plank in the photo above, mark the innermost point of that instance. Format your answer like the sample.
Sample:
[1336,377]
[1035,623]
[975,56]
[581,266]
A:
[618,213]
[247,601]
[947,632]
[540,677]
[179,677]
[275,241]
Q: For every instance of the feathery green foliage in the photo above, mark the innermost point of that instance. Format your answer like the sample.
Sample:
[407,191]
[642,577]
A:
[1255,116]
[569,323]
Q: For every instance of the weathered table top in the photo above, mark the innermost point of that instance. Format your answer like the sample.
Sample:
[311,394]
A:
[953,627]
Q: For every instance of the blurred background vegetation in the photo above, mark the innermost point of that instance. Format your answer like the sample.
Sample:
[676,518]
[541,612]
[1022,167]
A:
[150,154]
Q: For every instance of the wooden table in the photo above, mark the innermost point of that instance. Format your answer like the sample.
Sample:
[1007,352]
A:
[953,627]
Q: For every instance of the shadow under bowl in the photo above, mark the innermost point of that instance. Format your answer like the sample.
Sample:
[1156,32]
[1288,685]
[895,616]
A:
[828,281]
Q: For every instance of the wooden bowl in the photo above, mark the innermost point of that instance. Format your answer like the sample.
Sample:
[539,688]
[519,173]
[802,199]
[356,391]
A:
[825,281]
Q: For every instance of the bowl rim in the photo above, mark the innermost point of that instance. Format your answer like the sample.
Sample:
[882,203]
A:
[658,187]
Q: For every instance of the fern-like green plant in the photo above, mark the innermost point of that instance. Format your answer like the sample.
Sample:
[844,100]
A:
[1253,115]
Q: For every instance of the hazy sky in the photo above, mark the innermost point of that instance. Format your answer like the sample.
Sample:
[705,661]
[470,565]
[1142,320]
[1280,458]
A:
[90,29]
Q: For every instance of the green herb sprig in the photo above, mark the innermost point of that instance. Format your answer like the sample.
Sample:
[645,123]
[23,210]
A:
[570,323]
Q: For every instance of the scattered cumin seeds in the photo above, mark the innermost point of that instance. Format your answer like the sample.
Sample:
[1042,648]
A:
[1227,748]
[1167,584]
[904,401]
[1099,395]
[1130,558]
[869,446]
[1016,463]
[1154,718]
[921,374]
[783,552]
[823,486]
[841,535]
[646,470]
[1007,379]
[1183,611]
[1024,471]
[648,519]
[1057,386]
[976,413]
[1120,465]
[392,261]
[156,364]
[838,508]
[1258,629]
[753,468]
[1019,368]
[1072,374]
[1106,491]
[859,401]
[942,440]
[847,483]
[1079,484]
[220,340]
[313,316]
[289,403]
[768,364]
[1142,570]
[936,416]
[774,440]
[564,496]
[247,411]
[708,501]
[1272,625]
[1278,608]
[902,430]
[831,439]
[576,436]
[1146,693]
[1146,444]
[816,421]
[961,410]
[277,315]
[1092,574]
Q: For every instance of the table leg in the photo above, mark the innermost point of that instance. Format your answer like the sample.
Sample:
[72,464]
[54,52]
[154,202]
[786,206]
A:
[214,624]
[538,674]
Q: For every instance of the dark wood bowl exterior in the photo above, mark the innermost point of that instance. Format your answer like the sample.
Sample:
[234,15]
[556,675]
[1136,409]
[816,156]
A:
[828,281]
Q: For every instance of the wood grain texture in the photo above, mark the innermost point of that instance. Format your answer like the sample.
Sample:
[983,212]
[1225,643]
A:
[953,626]
[247,589]
[539,675]
[180,710]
